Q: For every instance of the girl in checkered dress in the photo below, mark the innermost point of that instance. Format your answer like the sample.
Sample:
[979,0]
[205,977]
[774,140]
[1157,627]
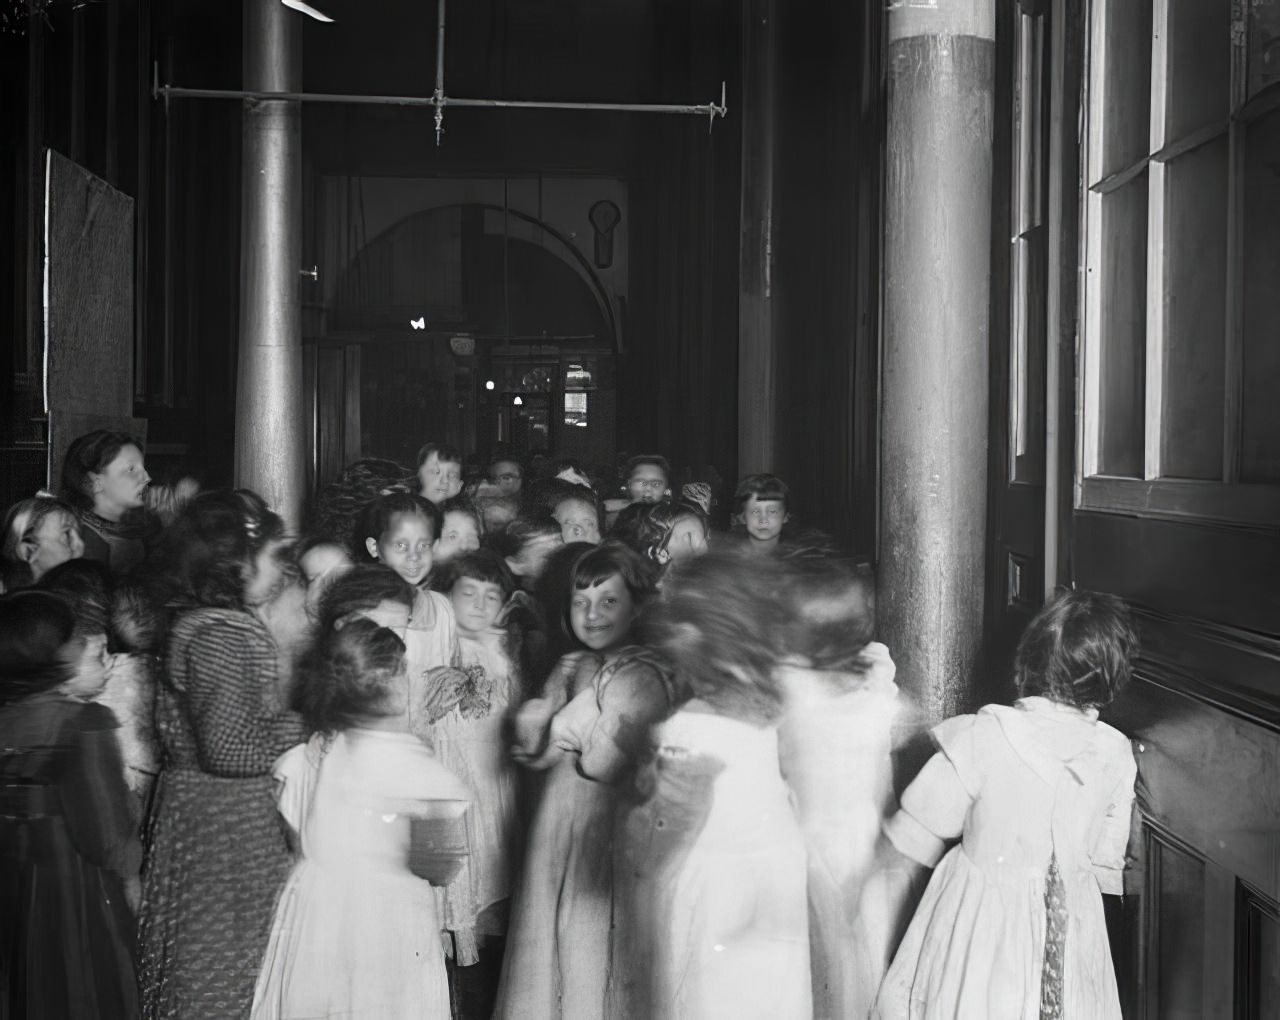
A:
[218,854]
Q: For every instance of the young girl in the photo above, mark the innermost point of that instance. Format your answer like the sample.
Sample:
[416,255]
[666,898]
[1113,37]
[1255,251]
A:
[760,509]
[69,853]
[104,478]
[217,856]
[399,530]
[586,729]
[355,930]
[39,534]
[711,913]
[1039,795]
[470,741]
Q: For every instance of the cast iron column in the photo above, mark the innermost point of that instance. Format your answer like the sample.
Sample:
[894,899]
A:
[940,65]
[270,432]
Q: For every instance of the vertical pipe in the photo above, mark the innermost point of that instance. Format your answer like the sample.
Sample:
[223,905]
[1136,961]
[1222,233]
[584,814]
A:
[440,49]
[937,228]
[757,372]
[270,426]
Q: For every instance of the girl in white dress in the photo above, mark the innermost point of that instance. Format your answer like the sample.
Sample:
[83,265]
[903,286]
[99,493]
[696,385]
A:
[711,912]
[471,742]
[1040,795]
[356,931]
[400,531]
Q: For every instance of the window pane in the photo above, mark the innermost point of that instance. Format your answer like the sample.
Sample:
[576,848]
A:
[1122,294]
[1198,75]
[1126,90]
[1260,383]
[1195,307]
[1264,46]
[1180,939]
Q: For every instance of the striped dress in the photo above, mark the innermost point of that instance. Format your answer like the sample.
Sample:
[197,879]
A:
[218,854]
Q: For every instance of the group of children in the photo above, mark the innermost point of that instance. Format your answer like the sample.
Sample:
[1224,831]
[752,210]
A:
[620,764]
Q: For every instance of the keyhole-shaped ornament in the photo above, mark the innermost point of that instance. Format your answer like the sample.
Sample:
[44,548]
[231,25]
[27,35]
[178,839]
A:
[604,216]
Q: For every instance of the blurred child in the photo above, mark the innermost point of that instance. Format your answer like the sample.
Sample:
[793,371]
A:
[580,515]
[321,561]
[711,912]
[1039,795]
[355,930]
[663,532]
[587,730]
[471,742]
[69,853]
[399,530]
[835,744]
[460,529]
[39,534]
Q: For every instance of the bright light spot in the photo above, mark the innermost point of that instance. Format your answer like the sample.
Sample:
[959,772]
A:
[518,402]
[419,323]
[488,385]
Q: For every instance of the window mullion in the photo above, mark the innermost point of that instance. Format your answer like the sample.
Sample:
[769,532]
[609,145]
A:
[1153,431]
[1231,377]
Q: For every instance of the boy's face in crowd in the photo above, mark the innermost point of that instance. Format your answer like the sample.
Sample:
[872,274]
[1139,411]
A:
[440,480]
[458,535]
[764,518]
[506,475]
[647,484]
[578,521]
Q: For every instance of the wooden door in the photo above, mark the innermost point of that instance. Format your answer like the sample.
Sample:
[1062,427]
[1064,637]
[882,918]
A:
[1016,537]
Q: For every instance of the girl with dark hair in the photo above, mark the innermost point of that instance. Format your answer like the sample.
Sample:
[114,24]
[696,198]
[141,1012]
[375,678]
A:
[471,743]
[400,530]
[1039,795]
[217,855]
[586,731]
[69,852]
[356,931]
[104,478]
[761,507]
[663,532]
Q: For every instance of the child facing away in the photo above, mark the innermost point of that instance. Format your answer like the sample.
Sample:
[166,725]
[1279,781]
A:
[471,742]
[399,530]
[586,730]
[356,930]
[69,852]
[711,904]
[1039,795]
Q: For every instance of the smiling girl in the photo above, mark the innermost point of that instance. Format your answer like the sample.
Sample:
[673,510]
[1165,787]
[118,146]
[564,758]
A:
[585,731]
[399,530]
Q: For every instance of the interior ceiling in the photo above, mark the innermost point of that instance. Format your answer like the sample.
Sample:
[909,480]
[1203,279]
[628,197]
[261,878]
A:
[521,49]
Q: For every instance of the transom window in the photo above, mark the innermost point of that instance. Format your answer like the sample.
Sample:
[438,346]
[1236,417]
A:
[1180,374]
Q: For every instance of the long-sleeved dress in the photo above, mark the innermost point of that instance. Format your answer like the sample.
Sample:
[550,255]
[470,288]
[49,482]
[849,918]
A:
[218,853]
[1011,924]
[557,958]
[68,841]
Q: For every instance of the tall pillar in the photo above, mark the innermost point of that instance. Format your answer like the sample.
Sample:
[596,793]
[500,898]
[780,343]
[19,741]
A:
[940,65]
[270,431]
[757,371]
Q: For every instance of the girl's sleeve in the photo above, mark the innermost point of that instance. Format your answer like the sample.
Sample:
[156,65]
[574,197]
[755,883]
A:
[631,701]
[1108,853]
[295,775]
[935,805]
[231,673]
[99,808]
